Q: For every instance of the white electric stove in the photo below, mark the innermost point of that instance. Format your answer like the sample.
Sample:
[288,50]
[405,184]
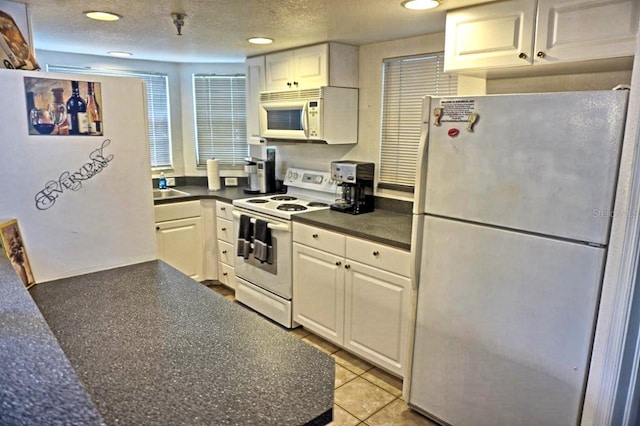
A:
[308,190]
[267,287]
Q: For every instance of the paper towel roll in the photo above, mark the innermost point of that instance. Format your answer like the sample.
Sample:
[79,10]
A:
[213,175]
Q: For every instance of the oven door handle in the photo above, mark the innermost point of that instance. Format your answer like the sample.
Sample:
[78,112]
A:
[270,225]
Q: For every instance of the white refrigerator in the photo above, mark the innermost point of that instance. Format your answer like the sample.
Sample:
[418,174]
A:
[84,202]
[513,206]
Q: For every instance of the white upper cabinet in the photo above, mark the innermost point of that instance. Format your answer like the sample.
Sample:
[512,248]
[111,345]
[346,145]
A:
[328,64]
[521,33]
[255,84]
[574,30]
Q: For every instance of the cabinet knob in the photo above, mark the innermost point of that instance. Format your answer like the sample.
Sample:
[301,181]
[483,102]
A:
[347,266]
[288,83]
[224,252]
[223,208]
[315,235]
[157,228]
[522,55]
[295,83]
[338,263]
[223,229]
[262,141]
[541,54]
[225,274]
[376,253]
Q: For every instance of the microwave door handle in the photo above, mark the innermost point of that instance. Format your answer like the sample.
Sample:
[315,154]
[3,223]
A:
[305,121]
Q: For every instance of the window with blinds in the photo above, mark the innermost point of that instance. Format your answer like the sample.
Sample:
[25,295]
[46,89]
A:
[405,81]
[157,90]
[221,118]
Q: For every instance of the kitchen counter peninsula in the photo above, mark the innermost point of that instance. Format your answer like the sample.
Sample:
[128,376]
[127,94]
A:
[152,347]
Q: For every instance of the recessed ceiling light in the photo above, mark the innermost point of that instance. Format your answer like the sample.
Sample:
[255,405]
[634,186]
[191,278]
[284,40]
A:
[119,54]
[260,40]
[421,4]
[102,16]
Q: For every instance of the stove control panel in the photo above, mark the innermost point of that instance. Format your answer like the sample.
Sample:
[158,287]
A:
[310,179]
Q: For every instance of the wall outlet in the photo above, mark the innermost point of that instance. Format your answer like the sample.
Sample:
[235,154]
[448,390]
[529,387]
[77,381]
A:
[171,181]
[230,181]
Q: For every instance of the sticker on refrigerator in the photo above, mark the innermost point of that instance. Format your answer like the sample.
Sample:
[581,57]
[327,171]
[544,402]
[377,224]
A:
[456,110]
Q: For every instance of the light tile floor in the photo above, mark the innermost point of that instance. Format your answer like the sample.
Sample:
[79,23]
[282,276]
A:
[364,395]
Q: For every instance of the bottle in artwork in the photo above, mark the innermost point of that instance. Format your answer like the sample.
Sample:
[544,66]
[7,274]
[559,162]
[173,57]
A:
[77,111]
[93,111]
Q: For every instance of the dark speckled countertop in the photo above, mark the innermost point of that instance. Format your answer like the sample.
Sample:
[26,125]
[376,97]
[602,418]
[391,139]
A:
[38,385]
[153,347]
[383,226]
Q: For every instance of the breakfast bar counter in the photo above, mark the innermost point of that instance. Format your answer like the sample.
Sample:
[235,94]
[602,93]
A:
[151,346]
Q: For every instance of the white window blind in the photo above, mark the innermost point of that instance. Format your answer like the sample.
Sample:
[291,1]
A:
[405,81]
[157,90]
[221,118]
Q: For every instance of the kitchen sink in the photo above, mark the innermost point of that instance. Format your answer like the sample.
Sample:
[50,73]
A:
[168,193]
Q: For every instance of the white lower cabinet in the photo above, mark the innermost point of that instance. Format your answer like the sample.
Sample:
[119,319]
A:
[180,237]
[318,292]
[376,315]
[226,244]
[354,293]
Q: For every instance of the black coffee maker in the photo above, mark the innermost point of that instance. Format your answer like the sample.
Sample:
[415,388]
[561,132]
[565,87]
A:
[355,185]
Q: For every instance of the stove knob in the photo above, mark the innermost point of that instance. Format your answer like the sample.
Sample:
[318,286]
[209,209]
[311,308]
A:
[289,175]
[295,175]
[319,179]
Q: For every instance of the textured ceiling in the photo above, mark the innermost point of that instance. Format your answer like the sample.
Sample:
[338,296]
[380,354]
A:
[216,30]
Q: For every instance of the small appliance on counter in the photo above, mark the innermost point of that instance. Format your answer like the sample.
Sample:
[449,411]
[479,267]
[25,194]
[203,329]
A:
[252,174]
[355,181]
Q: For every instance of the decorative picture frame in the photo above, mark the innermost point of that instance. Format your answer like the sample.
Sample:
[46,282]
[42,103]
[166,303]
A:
[63,107]
[13,244]
[18,53]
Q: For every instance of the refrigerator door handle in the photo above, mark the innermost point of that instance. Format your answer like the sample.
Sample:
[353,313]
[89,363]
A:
[417,227]
[421,160]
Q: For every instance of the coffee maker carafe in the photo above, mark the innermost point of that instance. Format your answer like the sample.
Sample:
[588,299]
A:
[355,183]
[252,174]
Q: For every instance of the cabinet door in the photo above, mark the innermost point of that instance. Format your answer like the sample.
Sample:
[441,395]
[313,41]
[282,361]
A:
[318,292]
[255,85]
[180,244]
[377,315]
[574,30]
[279,70]
[489,36]
[311,67]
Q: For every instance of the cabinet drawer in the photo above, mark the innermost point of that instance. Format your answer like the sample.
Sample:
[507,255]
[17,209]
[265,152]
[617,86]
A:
[226,253]
[380,256]
[226,275]
[164,212]
[319,238]
[224,210]
[224,230]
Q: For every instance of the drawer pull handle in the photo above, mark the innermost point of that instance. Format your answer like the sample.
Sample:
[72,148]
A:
[315,235]
[347,266]
[224,274]
[223,229]
[223,208]
[338,263]
[376,253]
[224,252]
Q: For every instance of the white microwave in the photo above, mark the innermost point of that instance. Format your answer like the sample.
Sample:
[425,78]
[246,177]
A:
[326,114]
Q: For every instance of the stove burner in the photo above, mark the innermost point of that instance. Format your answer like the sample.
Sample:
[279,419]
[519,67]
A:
[291,207]
[283,198]
[258,201]
[317,204]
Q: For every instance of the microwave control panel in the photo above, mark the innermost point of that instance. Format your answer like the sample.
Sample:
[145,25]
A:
[313,117]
